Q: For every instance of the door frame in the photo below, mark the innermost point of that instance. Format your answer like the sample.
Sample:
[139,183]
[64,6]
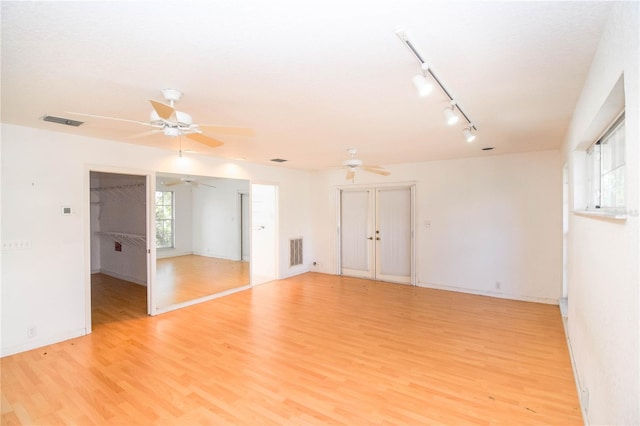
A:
[150,187]
[245,226]
[374,187]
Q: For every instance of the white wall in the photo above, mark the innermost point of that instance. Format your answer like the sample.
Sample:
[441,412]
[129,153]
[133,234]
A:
[44,286]
[216,218]
[604,255]
[492,219]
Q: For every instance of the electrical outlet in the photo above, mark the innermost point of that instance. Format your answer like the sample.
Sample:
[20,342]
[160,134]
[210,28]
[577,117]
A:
[498,285]
[585,400]
[32,332]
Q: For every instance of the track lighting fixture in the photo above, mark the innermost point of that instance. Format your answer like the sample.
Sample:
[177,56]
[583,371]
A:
[450,114]
[468,135]
[421,82]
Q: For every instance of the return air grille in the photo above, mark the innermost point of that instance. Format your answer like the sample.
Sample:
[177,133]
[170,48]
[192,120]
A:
[295,252]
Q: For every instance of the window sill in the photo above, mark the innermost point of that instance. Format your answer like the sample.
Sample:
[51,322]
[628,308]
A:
[601,214]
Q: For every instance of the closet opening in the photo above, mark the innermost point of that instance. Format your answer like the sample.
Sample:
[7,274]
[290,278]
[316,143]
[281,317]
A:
[119,277]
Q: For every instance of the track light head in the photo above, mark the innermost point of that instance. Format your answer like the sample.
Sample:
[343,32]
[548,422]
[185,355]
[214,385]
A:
[450,115]
[422,85]
[468,135]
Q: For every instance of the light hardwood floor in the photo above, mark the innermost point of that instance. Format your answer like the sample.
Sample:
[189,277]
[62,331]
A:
[183,278]
[313,349]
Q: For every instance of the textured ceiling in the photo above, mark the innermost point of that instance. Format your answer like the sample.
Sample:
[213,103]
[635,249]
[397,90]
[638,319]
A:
[312,78]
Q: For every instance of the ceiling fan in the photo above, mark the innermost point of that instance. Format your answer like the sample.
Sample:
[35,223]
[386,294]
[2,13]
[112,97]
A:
[184,181]
[166,119]
[353,163]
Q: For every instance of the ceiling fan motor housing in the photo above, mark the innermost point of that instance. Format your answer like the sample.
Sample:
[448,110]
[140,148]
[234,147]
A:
[352,162]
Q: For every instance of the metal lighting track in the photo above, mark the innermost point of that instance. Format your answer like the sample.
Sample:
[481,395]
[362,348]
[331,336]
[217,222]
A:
[405,40]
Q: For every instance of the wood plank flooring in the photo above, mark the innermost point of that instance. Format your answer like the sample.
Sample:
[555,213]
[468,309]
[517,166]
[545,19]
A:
[313,349]
[183,278]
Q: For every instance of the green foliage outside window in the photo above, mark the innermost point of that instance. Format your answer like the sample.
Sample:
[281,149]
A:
[164,219]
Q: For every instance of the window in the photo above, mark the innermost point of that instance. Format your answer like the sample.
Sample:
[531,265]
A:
[164,219]
[605,163]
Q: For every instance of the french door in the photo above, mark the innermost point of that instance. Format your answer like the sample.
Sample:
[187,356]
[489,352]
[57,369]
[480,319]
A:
[376,233]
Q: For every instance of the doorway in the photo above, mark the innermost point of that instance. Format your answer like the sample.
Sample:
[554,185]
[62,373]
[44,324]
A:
[119,256]
[376,233]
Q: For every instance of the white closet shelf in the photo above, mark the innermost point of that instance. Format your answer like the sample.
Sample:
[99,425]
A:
[134,240]
[133,192]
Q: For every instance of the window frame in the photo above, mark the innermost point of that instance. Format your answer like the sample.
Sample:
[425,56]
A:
[170,220]
[597,172]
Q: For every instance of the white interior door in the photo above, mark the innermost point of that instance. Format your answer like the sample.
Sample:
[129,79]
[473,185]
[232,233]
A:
[393,234]
[263,233]
[356,233]
[376,233]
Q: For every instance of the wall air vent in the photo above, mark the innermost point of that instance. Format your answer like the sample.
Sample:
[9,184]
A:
[61,120]
[295,252]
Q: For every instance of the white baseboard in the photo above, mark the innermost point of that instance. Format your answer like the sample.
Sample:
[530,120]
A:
[40,342]
[546,300]
[576,376]
[564,307]
[163,254]
[200,300]
[122,277]
[234,258]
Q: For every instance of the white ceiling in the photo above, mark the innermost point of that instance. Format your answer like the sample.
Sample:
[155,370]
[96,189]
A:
[312,78]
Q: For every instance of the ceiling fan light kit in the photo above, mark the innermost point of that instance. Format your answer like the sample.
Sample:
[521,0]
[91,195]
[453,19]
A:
[420,82]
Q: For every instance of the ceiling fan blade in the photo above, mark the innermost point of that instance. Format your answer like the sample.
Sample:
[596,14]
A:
[376,171]
[143,134]
[164,111]
[227,130]
[167,183]
[204,184]
[144,123]
[350,174]
[205,140]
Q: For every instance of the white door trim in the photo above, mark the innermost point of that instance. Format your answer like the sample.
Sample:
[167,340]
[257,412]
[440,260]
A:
[150,237]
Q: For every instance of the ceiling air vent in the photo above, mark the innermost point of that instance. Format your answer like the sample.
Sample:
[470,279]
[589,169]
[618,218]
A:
[278,160]
[61,120]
